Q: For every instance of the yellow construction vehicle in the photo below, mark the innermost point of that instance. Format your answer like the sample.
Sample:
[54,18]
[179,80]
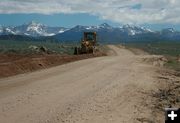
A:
[88,44]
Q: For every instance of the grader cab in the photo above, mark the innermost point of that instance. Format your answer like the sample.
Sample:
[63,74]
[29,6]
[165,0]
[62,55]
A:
[88,44]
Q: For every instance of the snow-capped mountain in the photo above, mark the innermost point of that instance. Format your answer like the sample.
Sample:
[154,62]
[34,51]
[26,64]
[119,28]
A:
[168,30]
[134,30]
[33,29]
[130,30]
[106,33]
[104,26]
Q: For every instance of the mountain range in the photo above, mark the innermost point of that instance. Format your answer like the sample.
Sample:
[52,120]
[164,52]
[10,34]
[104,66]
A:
[106,33]
[32,29]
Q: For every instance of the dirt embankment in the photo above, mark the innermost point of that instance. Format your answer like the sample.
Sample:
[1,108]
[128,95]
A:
[13,64]
[167,94]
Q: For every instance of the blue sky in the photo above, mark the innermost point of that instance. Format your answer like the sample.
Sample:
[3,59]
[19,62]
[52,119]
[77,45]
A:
[64,20]
[154,14]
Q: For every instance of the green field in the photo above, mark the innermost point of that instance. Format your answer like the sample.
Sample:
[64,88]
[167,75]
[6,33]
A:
[159,48]
[171,50]
[24,47]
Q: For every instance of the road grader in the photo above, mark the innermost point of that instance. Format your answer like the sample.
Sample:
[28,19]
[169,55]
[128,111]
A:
[88,44]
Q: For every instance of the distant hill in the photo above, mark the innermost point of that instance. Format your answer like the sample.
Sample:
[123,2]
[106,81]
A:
[26,38]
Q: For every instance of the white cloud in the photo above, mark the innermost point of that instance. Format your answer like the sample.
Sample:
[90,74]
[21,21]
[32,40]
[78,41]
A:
[120,11]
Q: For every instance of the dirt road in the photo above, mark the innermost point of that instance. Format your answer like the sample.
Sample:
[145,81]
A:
[110,89]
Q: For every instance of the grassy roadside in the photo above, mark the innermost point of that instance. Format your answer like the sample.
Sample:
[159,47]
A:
[171,50]
[173,63]
[29,47]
